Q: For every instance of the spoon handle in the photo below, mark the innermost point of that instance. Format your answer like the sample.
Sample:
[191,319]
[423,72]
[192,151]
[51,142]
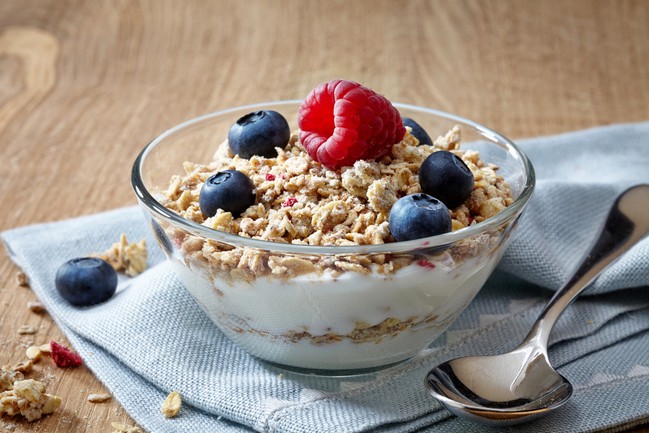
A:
[627,223]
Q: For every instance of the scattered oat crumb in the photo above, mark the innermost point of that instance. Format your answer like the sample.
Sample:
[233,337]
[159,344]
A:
[125,257]
[27,330]
[34,353]
[171,405]
[36,307]
[98,398]
[24,366]
[21,279]
[45,348]
[125,428]
[282,376]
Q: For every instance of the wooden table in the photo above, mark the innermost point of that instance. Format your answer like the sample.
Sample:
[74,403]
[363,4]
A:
[84,85]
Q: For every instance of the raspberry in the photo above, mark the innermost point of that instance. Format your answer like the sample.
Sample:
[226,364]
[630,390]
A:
[63,357]
[289,202]
[342,121]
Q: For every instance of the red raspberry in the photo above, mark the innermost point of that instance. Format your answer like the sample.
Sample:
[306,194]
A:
[289,202]
[63,357]
[342,121]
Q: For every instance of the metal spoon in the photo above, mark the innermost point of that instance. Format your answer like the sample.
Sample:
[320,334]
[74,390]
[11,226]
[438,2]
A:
[521,385]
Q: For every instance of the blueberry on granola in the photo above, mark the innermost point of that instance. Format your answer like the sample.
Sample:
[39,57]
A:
[86,281]
[418,216]
[229,190]
[445,176]
[416,130]
[259,133]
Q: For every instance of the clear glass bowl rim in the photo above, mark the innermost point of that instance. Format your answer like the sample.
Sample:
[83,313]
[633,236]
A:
[152,205]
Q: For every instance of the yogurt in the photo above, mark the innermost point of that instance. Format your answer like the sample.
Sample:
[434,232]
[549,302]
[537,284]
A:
[350,321]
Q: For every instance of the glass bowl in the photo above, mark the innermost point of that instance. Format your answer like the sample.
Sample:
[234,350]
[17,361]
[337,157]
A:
[334,319]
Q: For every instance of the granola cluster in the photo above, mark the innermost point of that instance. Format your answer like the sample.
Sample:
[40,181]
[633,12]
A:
[26,397]
[299,201]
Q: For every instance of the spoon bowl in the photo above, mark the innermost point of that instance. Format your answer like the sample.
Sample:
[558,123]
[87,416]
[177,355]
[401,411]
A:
[522,385]
[484,394]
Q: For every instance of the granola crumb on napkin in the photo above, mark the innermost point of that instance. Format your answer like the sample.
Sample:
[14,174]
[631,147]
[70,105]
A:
[125,257]
[171,405]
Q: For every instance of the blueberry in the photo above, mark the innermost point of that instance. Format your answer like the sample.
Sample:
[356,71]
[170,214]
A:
[86,281]
[418,216]
[419,132]
[229,190]
[259,133]
[446,177]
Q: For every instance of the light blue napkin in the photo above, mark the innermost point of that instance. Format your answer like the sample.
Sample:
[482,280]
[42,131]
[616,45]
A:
[152,338]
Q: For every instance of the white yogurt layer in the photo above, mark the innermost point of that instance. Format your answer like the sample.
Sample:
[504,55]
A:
[262,316]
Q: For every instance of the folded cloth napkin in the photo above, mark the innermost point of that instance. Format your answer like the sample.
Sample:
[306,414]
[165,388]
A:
[152,338]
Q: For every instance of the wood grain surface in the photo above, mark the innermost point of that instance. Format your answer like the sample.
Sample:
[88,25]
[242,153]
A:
[84,85]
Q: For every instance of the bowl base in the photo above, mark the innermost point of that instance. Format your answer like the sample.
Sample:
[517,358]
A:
[338,373]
